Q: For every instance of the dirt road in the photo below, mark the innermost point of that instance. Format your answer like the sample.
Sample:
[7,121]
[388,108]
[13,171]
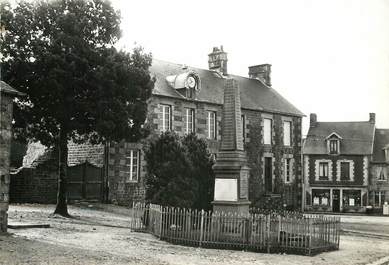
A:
[101,237]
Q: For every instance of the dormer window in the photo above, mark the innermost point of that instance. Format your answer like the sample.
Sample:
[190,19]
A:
[333,143]
[334,146]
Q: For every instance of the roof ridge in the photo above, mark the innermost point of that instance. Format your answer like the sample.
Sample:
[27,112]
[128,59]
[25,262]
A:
[267,98]
[211,71]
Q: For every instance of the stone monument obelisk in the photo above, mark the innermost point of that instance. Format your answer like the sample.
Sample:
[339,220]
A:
[231,170]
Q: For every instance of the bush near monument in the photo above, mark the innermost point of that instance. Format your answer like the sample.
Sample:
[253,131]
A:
[179,171]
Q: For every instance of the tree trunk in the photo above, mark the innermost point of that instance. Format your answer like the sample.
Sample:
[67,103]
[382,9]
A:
[62,207]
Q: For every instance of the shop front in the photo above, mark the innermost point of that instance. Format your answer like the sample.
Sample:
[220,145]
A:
[331,199]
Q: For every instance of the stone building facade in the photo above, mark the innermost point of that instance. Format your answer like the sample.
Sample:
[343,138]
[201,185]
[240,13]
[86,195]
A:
[187,99]
[7,95]
[379,171]
[337,158]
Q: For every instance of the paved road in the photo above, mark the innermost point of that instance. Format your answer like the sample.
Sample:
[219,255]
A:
[366,224]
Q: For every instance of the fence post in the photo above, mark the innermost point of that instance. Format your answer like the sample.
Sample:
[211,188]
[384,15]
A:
[160,221]
[268,232]
[279,230]
[310,235]
[201,227]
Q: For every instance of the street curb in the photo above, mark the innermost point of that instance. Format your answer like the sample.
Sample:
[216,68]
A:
[25,226]
[368,234]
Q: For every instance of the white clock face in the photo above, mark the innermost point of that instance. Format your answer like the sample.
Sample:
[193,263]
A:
[191,82]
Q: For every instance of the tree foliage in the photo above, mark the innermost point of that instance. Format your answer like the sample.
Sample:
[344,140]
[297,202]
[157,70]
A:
[61,54]
[179,171]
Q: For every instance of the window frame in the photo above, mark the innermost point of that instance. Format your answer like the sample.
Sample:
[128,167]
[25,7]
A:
[342,177]
[192,122]
[325,171]
[290,133]
[381,175]
[131,157]
[334,146]
[269,133]
[164,127]
[381,198]
[320,195]
[243,121]
[214,125]
[288,170]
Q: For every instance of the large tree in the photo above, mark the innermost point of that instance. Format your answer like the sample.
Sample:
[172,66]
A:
[61,54]
[179,171]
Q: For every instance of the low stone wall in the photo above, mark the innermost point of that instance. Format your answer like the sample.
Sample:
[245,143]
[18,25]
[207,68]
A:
[34,185]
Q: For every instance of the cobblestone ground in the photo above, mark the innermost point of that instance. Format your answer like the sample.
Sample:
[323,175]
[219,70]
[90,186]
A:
[102,236]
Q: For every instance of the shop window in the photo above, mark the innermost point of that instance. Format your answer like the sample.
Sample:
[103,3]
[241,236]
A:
[321,197]
[379,198]
[351,198]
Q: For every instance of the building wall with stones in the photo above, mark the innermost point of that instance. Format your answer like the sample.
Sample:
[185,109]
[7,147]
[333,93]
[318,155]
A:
[378,185]
[37,180]
[80,153]
[125,192]
[179,87]
[35,184]
[257,151]
[6,105]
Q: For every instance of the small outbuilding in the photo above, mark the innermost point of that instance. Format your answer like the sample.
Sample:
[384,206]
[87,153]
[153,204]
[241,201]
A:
[7,94]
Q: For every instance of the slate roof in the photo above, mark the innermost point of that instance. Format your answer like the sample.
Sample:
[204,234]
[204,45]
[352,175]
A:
[381,140]
[254,94]
[4,87]
[357,137]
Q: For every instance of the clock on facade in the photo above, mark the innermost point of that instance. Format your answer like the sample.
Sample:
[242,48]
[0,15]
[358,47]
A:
[191,81]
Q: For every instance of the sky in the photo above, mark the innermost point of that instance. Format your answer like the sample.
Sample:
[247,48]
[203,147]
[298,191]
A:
[329,57]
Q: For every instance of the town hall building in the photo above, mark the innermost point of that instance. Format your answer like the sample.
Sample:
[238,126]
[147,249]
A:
[187,99]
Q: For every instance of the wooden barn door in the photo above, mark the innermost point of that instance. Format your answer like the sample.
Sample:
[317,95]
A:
[85,182]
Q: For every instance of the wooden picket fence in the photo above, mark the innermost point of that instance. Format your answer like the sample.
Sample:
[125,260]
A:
[288,233]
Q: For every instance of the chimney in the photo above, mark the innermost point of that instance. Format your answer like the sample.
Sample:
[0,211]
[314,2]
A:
[261,72]
[217,60]
[312,120]
[372,118]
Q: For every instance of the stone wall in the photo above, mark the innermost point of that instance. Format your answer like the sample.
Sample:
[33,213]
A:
[80,153]
[256,151]
[35,185]
[5,148]
[125,193]
[378,185]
